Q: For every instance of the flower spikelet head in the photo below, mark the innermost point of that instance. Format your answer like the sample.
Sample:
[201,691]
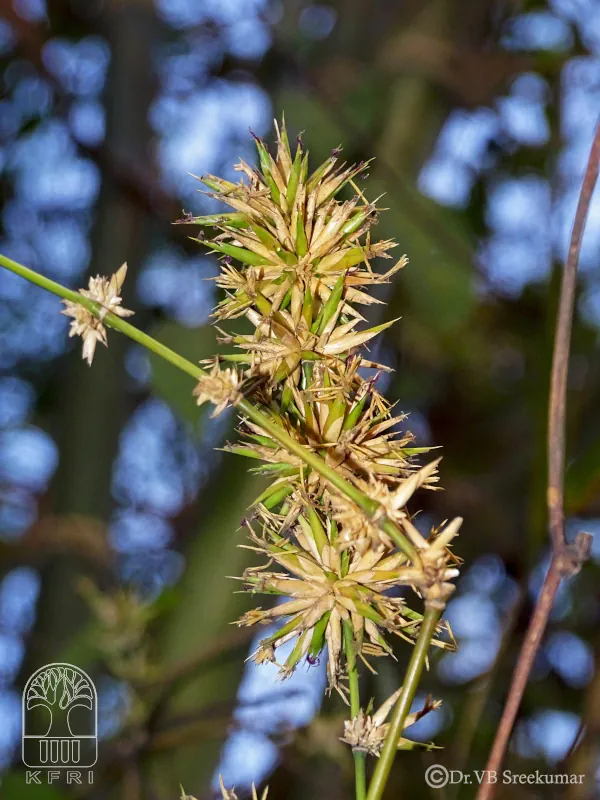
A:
[327,589]
[106,292]
[303,259]
[367,732]
[220,387]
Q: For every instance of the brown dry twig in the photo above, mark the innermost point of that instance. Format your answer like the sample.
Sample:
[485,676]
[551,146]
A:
[567,558]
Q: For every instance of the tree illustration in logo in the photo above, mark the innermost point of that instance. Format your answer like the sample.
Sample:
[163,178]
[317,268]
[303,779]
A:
[61,689]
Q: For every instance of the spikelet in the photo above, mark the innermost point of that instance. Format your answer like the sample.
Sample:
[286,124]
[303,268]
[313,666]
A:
[105,292]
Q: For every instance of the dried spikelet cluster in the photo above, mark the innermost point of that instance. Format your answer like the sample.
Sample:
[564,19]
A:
[367,732]
[296,263]
[104,291]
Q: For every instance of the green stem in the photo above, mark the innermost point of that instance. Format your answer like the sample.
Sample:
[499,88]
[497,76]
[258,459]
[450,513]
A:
[371,507]
[402,708]
[360,777]
[112,320]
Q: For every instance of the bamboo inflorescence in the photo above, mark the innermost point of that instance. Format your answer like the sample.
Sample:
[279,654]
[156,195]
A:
[333,523]
[296,263]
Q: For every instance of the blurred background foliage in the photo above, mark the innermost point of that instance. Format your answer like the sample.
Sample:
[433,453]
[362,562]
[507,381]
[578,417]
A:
[118,519]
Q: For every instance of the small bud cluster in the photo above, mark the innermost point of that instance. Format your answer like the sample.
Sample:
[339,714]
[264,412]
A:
[220,387]
[367,732]
[105,292]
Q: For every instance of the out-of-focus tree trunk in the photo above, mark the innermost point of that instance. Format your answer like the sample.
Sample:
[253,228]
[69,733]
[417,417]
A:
[95,409]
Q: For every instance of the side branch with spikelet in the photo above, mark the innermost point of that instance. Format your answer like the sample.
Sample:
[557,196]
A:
[333,522]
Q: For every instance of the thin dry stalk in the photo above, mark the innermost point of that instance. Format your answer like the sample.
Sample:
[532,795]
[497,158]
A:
[567,558]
